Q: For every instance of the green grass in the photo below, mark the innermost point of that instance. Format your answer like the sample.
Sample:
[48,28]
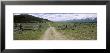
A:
[27,35]
[30,34]
[82,31]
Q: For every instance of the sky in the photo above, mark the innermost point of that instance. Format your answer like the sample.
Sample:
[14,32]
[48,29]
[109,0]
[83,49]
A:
[63,16]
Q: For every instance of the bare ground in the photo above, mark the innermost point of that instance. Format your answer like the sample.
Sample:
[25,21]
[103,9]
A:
[52,34]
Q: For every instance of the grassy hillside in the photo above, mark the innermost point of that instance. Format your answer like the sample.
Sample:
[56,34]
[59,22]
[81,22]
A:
[25,18]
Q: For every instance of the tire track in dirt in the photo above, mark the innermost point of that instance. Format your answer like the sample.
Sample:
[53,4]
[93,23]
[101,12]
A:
[52,34]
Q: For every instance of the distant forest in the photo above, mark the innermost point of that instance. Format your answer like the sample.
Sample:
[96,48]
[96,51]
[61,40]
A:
[25,18]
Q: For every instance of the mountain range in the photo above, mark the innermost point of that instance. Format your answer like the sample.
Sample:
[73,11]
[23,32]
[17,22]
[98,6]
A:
[81,20]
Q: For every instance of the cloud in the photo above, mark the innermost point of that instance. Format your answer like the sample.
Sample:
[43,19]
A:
[64,16]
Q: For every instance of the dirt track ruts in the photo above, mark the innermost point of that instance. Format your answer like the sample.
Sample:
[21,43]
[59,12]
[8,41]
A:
[52,34]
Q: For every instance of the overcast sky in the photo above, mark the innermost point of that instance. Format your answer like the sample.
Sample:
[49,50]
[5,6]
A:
[63,16]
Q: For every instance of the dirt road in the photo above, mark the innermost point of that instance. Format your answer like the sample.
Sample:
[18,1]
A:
[52,34]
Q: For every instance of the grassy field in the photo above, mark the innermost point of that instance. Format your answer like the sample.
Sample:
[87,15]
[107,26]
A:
[77,31]
[72,31]
[30,34]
